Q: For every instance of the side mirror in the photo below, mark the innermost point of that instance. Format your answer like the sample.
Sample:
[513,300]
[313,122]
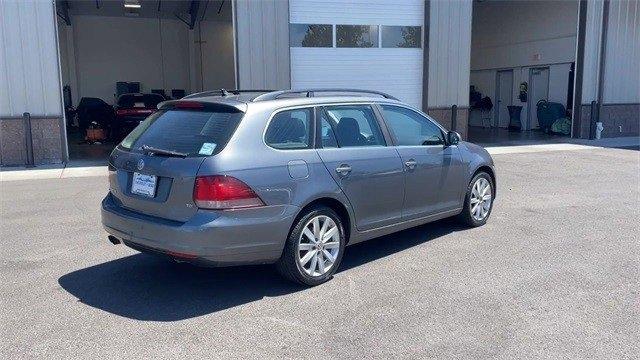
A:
[453,138]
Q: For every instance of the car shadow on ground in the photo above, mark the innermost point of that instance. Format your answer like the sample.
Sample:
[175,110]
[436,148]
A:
[630,147]
[145,287]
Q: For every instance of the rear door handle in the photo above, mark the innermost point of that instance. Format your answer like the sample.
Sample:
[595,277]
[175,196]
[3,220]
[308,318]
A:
[343,169]
[410,164]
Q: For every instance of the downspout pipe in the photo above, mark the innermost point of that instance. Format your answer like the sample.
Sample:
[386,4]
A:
[425,56]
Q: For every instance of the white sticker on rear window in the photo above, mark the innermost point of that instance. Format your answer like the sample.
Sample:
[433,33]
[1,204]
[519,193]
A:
[207,149]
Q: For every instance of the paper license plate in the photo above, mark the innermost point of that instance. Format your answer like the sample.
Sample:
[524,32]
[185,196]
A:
[144,185]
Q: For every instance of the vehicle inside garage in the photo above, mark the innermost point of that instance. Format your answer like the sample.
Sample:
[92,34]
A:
[522,70]
[119,59]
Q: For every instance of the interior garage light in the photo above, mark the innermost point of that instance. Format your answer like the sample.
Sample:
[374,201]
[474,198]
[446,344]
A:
[132,5]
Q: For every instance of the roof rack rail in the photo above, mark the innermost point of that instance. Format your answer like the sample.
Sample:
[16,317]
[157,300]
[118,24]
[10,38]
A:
[224,92]
[311,93]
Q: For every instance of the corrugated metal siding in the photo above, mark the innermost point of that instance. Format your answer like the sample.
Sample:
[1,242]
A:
[622,61]
[29,72]
[449,53]
[357,12]
[397,71]
[262,38]
[592,51]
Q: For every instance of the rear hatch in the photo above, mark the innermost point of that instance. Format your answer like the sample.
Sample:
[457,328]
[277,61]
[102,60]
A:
[153,170]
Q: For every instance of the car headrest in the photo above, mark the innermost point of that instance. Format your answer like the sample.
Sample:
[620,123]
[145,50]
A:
[348,132]
[349,124]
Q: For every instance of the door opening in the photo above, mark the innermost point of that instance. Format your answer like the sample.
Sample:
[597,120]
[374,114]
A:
[515,63]
[539,89]
[117,63]
[504,96]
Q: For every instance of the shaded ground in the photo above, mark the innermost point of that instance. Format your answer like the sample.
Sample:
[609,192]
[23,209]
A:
[504,137]
[87,154]
[554,274]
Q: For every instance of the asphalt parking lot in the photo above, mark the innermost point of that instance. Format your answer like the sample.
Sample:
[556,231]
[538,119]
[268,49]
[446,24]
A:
[554,274]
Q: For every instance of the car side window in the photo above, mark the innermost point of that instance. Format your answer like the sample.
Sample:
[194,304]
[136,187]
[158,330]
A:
[355,125]
[411,128]
[290,129]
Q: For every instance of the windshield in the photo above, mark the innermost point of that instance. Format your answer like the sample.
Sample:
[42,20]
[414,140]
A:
[194,133]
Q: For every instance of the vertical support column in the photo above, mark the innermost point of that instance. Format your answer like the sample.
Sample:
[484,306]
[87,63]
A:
[262,44]
[425,57]
[579,70]
[71,69]
[234,25]
[603,55]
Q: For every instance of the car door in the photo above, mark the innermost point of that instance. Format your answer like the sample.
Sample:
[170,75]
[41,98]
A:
[433,170]
[355,152]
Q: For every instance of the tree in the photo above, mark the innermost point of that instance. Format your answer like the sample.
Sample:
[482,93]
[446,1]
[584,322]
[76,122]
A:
[354,35]
[410,37]
[318,35]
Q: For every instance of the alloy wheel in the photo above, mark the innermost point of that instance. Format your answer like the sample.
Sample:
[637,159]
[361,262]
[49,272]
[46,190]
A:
[481,197]
[318,245]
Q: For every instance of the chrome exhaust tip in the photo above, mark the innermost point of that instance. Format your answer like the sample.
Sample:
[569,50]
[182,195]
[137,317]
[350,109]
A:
[114,240]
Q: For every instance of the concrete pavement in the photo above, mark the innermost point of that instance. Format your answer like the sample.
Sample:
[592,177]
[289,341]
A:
[554,274]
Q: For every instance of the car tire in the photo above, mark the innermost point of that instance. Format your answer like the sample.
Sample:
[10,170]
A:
[292,263]
[470,217]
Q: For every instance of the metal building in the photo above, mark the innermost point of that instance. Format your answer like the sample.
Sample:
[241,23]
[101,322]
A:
[427,53]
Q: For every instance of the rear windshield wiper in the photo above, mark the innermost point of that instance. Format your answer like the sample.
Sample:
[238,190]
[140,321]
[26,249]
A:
[150,150]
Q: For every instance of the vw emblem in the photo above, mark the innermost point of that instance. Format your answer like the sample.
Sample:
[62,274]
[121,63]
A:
[140,164]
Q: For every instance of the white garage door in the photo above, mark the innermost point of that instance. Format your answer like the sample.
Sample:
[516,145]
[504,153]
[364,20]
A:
[367,44]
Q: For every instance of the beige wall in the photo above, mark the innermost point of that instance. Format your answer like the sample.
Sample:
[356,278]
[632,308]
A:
[509,34]
[108,49]
[217,55]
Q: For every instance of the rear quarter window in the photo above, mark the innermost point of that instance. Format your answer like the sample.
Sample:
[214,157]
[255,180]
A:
[195,133]
[290,129]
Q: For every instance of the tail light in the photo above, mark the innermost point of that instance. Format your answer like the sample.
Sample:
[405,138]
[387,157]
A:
[223,192]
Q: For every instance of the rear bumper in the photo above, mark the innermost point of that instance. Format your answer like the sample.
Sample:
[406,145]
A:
[212,238]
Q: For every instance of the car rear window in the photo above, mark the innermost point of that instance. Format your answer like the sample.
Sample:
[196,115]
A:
[139,100]
[195,133]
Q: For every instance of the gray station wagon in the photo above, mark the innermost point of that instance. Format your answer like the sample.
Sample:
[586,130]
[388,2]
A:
[288,177]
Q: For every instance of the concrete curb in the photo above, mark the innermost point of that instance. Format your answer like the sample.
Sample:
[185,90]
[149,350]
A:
[52,173]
